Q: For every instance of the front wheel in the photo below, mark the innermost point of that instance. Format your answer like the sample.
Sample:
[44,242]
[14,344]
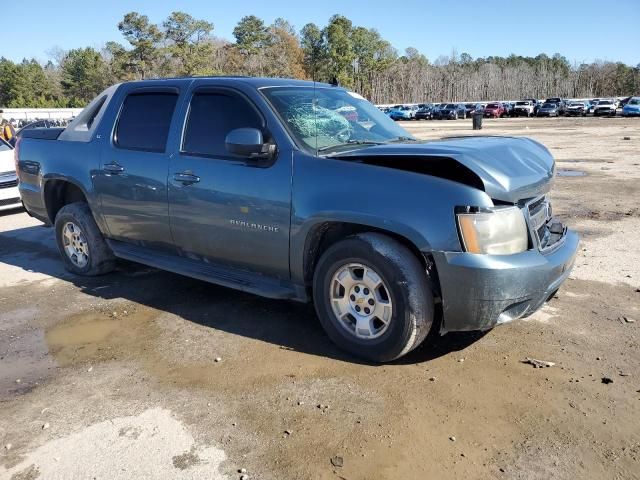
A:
[83,249]
[373,297]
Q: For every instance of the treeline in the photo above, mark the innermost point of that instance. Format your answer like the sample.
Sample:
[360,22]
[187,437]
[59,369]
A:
[357,57]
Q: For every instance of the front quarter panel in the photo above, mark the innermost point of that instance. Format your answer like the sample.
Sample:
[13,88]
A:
[415,206]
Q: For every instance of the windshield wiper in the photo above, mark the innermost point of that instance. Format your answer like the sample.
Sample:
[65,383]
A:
[350,142]
[402,139]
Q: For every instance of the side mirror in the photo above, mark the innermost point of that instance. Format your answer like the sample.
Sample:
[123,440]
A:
[248,142]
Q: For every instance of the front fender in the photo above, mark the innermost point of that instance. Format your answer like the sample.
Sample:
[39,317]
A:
[415,206]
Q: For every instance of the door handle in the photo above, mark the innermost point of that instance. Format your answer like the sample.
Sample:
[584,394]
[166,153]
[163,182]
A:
[187,178]
[113,168]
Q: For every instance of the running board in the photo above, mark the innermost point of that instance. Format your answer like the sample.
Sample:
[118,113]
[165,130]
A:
[237,279]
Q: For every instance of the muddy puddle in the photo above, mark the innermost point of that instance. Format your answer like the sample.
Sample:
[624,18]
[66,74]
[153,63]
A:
[100,336]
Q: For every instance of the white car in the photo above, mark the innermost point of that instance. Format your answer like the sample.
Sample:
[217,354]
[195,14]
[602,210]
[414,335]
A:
[524,107]
[9,195]
[605,107]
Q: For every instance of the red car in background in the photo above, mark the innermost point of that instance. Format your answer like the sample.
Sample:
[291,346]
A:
[495,110]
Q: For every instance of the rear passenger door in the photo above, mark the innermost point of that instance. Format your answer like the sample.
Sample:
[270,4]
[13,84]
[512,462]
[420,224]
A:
[132,179]
[226,209]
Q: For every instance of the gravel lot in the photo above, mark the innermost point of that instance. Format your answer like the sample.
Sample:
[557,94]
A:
[116,377]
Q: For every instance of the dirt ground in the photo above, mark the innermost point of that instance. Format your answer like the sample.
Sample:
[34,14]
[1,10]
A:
[146,374]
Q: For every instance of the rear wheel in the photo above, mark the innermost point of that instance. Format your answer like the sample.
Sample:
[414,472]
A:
[373,297]
[83,249]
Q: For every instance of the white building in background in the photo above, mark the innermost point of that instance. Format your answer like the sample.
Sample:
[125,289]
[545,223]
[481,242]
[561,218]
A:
[38,113]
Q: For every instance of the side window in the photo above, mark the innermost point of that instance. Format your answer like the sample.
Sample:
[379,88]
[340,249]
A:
[211,117]
[145,120]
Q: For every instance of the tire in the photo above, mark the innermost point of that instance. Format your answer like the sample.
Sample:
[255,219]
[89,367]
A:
[93,256]
[404,282]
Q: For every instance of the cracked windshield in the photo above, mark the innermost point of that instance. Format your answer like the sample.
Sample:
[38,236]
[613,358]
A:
[329,120]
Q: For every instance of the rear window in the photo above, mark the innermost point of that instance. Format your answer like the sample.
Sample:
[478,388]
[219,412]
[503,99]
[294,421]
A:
[145,120]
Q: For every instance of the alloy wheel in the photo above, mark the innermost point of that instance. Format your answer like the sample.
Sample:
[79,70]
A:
[361,301]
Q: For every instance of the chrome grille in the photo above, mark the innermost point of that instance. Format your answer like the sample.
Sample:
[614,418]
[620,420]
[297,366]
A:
[8,179]
[539,219]
[13,183]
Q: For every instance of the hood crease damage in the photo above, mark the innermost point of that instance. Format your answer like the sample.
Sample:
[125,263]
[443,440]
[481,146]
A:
[508,169]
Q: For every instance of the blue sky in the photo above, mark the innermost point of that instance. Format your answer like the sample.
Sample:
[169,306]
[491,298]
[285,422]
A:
[582,30]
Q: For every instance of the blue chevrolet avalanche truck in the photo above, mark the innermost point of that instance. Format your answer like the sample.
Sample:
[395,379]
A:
[303,191]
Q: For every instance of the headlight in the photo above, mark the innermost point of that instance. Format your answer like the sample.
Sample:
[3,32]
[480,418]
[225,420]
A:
[494,231]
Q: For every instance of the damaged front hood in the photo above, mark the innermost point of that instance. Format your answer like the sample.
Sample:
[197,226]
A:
[510,168]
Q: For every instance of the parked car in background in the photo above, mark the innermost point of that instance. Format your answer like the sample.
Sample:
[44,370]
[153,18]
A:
[453,111]
[592,105]
[494,110]
[508,107]
[9,195]
[436,111]
[403,112]
[561,105]
[524,108]
[536,104]
[624,101]
[470,108]
[424,113]
[577,109]
[548,109]
[605,108]
[632,107]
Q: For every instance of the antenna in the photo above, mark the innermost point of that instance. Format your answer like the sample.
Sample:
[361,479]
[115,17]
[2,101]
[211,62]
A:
[313,101]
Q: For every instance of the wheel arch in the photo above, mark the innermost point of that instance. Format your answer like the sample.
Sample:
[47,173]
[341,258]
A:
[59,192]
[324,234]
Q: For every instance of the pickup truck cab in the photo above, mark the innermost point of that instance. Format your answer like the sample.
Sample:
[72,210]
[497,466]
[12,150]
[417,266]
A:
[264,185]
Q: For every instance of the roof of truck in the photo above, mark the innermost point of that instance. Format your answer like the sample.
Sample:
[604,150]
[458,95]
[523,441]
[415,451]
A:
[257,82]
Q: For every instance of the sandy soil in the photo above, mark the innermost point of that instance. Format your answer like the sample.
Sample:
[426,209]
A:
[116,377]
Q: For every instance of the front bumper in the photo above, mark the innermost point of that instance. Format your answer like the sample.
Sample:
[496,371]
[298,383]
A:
[482,291]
